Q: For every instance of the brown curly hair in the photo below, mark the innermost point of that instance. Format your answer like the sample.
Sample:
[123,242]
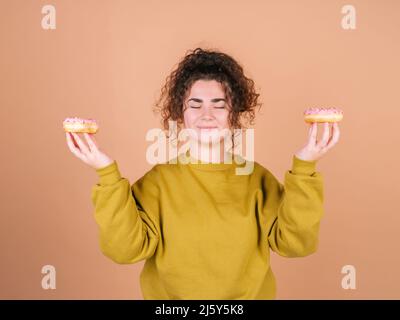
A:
[208,65]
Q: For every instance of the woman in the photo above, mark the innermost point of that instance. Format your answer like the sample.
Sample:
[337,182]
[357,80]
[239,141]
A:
[204,230]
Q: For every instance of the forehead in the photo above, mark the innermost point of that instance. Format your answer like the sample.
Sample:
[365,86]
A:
[207,88]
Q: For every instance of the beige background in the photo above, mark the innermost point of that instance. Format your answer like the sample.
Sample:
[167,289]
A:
[108,60]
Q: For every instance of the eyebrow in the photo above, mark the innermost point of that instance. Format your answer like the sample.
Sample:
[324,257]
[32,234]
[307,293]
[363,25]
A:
[212,100]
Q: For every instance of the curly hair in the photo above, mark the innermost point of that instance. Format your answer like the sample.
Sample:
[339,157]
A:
[204,64]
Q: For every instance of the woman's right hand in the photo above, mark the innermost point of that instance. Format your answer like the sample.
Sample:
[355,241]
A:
[91,154]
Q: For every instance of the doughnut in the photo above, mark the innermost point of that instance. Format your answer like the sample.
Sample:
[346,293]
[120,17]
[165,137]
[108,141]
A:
[80,125]
[323,115]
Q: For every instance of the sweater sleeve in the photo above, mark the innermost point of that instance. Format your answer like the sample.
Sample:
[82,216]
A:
[127,216]
[295,210]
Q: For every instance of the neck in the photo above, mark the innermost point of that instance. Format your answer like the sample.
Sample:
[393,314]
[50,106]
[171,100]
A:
[213,153]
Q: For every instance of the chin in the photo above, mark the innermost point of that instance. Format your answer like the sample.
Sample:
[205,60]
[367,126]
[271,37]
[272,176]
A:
[213,138]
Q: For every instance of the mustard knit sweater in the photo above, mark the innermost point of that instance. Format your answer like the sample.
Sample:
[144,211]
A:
[204,231]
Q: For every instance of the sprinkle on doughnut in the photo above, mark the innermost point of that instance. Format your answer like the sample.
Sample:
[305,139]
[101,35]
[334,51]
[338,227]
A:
[315,114]
[81,125]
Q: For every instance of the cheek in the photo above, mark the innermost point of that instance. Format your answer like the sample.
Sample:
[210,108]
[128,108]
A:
[189,118]
[223,119]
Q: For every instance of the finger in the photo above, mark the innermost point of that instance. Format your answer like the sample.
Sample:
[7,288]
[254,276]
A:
[309,128]
[335,136]
[73,148]
[73,140]
[325,136]
[313,134]
[82,146]
[90,142]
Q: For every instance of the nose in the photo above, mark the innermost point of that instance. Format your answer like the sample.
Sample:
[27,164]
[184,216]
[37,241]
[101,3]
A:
[207,114]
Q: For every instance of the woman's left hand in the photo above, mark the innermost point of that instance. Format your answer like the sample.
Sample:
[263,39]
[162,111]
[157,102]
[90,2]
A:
[315,150]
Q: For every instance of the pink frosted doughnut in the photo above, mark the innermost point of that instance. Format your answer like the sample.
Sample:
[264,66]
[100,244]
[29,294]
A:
[80,125]
[323,115]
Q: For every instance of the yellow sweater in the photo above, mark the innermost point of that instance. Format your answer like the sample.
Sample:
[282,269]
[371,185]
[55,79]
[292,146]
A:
[205,231]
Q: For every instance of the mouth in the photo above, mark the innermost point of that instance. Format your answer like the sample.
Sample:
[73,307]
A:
[207,128]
